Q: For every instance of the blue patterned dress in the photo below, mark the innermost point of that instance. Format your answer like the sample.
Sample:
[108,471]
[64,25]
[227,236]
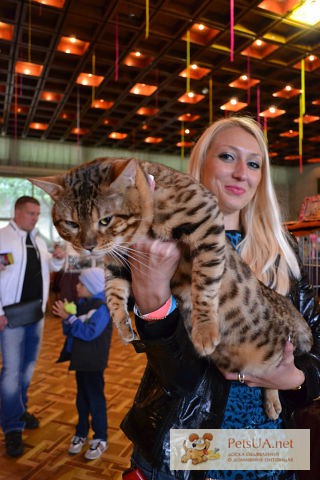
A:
[244,409]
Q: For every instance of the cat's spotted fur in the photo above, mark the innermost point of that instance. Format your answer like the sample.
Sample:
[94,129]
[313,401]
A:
[106,205]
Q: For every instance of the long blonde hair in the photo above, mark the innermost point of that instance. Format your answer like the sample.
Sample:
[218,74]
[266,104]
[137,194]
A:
[265,247]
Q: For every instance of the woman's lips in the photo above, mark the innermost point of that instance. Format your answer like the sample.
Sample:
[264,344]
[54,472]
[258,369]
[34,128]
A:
[235,190]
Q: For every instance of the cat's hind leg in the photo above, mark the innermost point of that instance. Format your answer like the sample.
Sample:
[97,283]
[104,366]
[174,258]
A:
[272,405]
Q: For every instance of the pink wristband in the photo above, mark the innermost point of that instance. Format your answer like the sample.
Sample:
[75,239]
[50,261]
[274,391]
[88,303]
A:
[159,314]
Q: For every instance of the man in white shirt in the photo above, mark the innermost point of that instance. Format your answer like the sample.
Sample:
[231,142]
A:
[24,280]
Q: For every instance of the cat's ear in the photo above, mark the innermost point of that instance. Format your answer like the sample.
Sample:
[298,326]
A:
[127,178]
[51,185]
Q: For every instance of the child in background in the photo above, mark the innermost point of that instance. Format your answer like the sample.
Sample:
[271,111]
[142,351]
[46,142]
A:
[88,327]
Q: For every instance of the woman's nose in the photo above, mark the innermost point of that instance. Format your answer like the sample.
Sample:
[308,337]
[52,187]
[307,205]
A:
[240,170]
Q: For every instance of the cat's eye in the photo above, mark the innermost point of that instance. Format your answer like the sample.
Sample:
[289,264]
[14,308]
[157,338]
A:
[105,221]
[71,224]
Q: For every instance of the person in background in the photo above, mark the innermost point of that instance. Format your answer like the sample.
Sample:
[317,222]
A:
[27,278]
[181,390]
[88,328]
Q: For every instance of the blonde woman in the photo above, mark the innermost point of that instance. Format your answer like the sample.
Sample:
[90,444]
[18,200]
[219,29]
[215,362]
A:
[181,390]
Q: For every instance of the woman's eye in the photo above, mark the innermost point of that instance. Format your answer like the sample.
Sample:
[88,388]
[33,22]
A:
[226,156]
[254,165]
[105,221]
[71,224]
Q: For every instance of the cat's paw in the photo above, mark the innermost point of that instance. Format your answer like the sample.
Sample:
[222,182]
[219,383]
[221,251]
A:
[272,405]
[126,332]
[205,338]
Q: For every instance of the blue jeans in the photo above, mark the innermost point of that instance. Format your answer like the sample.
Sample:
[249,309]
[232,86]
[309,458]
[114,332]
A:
[91,401]
[20,348]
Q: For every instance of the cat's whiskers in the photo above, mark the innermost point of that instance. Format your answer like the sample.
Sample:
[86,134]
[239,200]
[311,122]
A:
[123,254]
[119,257]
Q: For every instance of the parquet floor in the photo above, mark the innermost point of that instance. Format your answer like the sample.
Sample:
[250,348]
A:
[52,399]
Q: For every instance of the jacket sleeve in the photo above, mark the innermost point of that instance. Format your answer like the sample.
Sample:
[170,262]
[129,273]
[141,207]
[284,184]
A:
[303,297]
[170,353]
[93,327]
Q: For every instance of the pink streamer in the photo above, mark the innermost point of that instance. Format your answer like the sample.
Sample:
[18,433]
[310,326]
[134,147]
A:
[14,153]
[116,65]
[258,104]
[78,126]
[157,83]
[248,75]
[231,30]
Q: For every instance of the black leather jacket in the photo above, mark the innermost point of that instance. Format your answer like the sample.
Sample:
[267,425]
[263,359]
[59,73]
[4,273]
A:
[181,390]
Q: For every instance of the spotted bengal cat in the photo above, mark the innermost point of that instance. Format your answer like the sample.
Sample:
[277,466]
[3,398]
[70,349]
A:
[104,206]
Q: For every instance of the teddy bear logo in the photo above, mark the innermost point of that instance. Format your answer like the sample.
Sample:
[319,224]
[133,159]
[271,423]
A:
[198,452]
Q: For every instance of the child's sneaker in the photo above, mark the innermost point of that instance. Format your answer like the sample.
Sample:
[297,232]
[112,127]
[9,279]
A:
[97,447]
[76,444]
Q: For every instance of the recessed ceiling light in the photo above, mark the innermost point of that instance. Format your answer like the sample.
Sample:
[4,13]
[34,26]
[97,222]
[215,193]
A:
[307,13]
[89,80]
[28,68]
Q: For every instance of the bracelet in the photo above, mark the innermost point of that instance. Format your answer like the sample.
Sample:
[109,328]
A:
[160,313]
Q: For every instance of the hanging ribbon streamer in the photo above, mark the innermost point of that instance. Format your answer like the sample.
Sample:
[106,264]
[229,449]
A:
[116,63]
[29,33]
[78,126]
[258,105]
[248,75]
[265,128]
[302,101]
[157,83]
[210,101]
[182,141]
[20,86]
[93,73]
[14,153]
[188,62]
[147,19]
[231,30]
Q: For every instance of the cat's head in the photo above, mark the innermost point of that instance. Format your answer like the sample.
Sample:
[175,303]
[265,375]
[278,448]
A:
[100,205]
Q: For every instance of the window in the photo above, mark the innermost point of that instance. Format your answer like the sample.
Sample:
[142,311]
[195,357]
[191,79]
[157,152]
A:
[11,188]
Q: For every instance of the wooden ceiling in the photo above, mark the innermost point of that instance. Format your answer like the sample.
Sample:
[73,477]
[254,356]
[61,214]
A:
[51,106]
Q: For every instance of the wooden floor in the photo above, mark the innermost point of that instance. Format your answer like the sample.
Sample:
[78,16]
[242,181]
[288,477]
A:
[52,399]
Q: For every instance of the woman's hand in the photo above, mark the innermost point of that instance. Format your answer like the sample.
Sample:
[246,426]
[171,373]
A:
[153,264]
[283,377]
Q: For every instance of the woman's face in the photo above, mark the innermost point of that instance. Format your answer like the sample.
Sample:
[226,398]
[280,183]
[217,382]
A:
[232,169]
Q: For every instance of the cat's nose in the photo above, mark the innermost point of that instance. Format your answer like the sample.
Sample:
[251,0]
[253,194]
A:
[89,246]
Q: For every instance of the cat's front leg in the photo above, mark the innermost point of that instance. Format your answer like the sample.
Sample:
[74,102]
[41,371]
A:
[205,334]
[205,327]
[117,294]
[272,405]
